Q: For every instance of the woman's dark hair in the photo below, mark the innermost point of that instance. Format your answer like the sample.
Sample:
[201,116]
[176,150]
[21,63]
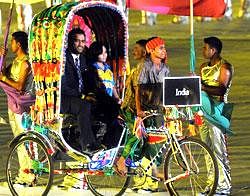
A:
[95,49]
[22,38]
[72,36]
[214,42]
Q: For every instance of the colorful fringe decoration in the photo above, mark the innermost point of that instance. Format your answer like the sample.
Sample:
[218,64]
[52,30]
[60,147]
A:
[182,123]
[48,42]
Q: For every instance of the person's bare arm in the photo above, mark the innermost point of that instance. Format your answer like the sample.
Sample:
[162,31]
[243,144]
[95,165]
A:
[115,95]
[19,85]
[139,110]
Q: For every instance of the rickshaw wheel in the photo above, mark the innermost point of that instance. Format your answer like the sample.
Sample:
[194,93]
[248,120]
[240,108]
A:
[203,177]
[108,181]
[108,184]
[31,173]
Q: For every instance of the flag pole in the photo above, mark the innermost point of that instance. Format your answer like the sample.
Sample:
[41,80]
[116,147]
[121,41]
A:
[191,18]
[192,50]
[2,58]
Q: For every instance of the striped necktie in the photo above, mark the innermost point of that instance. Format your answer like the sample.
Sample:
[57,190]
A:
[79,74]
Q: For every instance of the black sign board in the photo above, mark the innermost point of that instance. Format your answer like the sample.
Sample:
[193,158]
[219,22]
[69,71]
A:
[182,91]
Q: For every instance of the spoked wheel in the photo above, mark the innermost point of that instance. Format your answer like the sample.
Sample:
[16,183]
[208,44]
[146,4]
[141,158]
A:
[29,168]
[202,177]
[107,183]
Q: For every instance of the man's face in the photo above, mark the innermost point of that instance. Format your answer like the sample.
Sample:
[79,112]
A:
[160,52]
[14,45]
[207,51]
[79,43]
[138,52]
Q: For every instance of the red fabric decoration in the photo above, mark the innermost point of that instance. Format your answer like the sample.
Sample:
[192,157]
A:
[212,8]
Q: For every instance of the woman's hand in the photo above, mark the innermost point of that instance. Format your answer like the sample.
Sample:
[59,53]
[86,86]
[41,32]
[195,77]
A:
[118,100]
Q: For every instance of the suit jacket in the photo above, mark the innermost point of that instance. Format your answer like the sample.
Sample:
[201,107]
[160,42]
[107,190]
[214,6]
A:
[70,80]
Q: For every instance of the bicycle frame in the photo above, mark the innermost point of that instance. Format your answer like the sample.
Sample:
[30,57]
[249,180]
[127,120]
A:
[172,143]
[110,154]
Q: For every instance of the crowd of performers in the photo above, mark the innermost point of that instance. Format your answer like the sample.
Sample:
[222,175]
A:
[216,76]
[89,83]
[151,54]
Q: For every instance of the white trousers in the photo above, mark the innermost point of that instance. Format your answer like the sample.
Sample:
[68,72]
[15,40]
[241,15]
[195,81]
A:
[216,140]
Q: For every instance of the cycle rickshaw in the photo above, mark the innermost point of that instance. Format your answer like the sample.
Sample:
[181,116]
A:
[184,168]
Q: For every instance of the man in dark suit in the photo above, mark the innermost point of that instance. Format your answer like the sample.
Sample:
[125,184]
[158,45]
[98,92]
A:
[74,89]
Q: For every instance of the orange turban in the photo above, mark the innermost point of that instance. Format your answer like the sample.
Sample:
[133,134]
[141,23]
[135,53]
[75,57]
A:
[153,43]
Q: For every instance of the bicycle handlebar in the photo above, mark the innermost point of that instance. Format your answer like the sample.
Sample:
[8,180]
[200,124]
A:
[168,115]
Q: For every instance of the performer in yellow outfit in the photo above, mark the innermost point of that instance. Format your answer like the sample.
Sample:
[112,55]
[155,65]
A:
[19,76]
[216,77]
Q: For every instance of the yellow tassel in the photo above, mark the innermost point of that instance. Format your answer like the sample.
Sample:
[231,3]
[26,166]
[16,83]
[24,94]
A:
[171,126]
[191,129]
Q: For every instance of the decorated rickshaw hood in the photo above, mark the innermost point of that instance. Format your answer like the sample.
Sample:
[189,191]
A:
[48,42]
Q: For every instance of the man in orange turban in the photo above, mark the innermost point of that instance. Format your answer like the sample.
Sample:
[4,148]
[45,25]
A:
[153,71]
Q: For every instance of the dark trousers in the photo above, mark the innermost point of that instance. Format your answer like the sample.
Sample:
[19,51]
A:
[82,109]
[106,110]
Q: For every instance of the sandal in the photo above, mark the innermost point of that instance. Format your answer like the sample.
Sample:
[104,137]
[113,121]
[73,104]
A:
[120,173]
[120,167]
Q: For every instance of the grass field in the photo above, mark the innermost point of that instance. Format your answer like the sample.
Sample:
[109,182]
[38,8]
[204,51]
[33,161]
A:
[236,39]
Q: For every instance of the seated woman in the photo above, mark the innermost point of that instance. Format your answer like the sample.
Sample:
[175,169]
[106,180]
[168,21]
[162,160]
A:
[107,99]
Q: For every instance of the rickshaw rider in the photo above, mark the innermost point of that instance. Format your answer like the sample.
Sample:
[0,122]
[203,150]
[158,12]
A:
[75,91]
[153,71]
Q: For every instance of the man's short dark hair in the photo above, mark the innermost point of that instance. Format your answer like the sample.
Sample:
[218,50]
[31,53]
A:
[22,38]
[214,42]
[142,43]
[72,36]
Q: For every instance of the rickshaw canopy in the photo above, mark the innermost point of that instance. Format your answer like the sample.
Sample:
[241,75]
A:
[48,38]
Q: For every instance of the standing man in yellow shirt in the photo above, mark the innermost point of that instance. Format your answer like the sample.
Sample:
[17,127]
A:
[19,76]
[216,77]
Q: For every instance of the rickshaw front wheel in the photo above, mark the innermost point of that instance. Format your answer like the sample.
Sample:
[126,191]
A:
[202,176]
[29,168]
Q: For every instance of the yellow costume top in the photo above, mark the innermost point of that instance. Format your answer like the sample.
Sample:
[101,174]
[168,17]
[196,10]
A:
[210,76]
[15,70]
[106,75]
